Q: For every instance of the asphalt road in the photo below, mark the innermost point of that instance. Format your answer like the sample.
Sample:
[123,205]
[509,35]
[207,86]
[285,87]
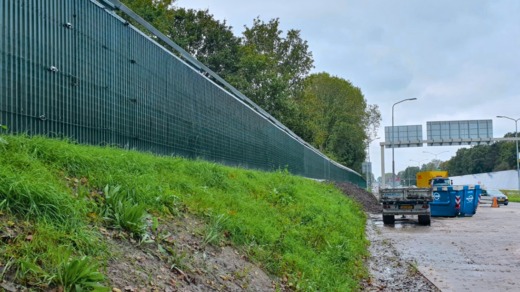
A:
[479,253]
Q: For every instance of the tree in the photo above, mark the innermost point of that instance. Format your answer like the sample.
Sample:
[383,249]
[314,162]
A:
[272,68]
[338,117]
[409,176]
[209,40]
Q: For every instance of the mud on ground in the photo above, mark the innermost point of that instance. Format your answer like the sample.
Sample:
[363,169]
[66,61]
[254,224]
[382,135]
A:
[388,270]
[366,199]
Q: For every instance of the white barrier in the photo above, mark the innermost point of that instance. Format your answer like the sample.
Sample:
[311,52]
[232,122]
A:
[503,180]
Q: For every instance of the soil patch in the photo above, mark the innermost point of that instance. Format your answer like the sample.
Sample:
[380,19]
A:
[178,261]
[366,199]
[388,270]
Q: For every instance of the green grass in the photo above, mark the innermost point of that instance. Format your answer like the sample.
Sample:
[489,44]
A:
[512,195]
[295,227]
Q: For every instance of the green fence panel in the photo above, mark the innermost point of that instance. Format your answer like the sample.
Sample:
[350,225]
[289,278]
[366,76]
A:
[71,68]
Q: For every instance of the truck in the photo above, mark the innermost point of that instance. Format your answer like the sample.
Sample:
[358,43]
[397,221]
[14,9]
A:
[428,179]
[406,201]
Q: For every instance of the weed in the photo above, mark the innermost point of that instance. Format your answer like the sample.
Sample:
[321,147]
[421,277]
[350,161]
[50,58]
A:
[213,227]
[122,213]
[79,274]
[177,257]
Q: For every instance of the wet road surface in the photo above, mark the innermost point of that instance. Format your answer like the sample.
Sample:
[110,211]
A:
[479,253]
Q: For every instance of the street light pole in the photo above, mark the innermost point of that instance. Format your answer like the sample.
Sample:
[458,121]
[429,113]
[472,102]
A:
[516,155]
[435,155]
[393,162]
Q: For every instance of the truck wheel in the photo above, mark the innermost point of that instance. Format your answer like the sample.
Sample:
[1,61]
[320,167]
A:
[424,219]
[388,219]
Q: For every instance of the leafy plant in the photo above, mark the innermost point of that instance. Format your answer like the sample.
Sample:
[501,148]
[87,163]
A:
[123,213]
[177,257]
[79,274]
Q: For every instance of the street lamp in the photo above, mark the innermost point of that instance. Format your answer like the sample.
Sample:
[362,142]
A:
[517,156]
[436,166]
[393,130]
[435,154]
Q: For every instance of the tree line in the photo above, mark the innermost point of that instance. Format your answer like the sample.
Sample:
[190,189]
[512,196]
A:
[485,158]
[273,69]
[498,156]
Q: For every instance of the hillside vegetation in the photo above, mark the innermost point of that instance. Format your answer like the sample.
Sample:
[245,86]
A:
[58,198]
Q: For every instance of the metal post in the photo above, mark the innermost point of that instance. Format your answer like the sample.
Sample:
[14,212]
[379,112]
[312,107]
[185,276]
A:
[517,154]
[393,162]
[383,166]
[368,182]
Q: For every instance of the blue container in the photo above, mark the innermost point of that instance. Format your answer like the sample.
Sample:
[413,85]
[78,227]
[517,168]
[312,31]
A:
[445,201]
[468,202]
[471,200]
[454,201]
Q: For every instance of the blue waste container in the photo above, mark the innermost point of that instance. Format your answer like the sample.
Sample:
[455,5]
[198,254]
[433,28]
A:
[454,201]
[472,195]
[446,201]
[468,207]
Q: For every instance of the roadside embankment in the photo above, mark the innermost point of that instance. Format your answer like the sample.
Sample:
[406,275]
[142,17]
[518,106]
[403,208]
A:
[76,215]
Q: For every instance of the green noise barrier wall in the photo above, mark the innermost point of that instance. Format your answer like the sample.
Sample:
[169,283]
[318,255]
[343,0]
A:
[74,68]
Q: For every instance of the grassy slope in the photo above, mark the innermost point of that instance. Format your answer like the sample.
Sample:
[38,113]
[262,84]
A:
[293,226]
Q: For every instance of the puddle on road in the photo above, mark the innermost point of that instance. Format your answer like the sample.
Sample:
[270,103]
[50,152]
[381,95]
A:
[408,223]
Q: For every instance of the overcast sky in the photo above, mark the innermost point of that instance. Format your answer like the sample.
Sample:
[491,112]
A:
[461,59]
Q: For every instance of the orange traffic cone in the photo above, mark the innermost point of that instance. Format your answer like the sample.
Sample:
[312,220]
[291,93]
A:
[495,204]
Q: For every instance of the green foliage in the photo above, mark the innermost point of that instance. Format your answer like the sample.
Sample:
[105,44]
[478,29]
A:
[409,175]
[295,226]
[272,67]
[213,228]
[77,274]
[338,117]
[480,159]
[123,213]
[80,275]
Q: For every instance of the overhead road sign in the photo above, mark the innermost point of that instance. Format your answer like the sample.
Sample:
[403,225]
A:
[407,136]
[446,133]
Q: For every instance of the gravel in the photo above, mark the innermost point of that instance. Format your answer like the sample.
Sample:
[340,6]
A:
[366,199]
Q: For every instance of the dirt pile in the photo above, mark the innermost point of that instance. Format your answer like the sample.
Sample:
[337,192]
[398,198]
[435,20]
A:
[366,199]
